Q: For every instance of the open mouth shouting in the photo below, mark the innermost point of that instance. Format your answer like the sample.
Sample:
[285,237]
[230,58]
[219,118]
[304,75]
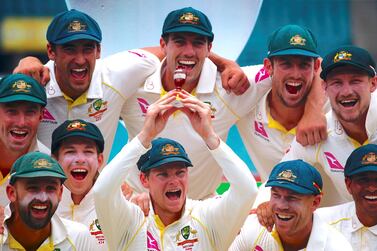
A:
[79,173]
[348,102]
[174,194]
[293,87]
[18,134]
[39,210]
[187,64]
[79,73]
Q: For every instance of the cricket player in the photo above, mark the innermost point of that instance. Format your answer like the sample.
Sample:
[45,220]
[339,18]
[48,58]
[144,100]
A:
[292,64]
[350,79]
[296,191]
[22,100]
[357,220]
[175,221]
[35,189]
[78,147]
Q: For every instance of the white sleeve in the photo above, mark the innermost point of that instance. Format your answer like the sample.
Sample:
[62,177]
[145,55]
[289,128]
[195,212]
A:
[260,84]
[128,70]
[297,151]
[246,238]
[120,219]
[224,216]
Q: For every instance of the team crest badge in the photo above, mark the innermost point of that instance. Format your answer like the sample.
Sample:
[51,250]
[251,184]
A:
[42,163]
[169,149]
[342,55]
[187,237]
[76,125]
[76,26]
[95,230]
[297,40]
[97,109]
[189,18]
[21,86]
[369,158]
[287,175]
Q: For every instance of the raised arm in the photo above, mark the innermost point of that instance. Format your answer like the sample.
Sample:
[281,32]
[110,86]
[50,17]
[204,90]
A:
[33,67]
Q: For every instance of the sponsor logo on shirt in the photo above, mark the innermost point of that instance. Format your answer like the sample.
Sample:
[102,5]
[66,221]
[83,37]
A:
[95,230]
[259,130]
[143,105]
[48,118]
[261,75]
[186,238]
[97,109]
[152,244]
[258,248]
[334,164]
[138,54]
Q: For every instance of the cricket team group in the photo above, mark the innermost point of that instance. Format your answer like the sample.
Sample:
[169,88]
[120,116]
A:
[308,122]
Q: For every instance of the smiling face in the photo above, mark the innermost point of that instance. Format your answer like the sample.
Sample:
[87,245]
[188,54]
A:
[74,65]
[187,50]
[18,125]
[167,186]
[35,199]
[349,90]
[293,212]
[80,161]
[363,188]
[292,78]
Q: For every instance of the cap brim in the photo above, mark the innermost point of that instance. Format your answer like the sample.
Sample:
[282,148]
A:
[190,29]
[77,37]
[38,174]
[294,52]
[78,134]
[22,97]
[326,71]
[165,161]
[369,168]
[289,185]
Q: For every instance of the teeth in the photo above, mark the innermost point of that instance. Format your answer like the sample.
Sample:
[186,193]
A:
[284,217]
[187,62]
[79,70]
[79,171]
[294,84]
[19,132]
[370,197]
[174,190]
[39,207]
[347,101]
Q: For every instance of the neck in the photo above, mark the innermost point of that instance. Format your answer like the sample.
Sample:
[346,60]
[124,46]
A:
[77,198]
[356,130]
[165,216]
[288,117]
[11,157]
[294,243]
[29,238]
[167,79]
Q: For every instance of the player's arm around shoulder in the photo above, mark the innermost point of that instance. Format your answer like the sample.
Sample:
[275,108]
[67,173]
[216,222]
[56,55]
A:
[126,71]
[121,221]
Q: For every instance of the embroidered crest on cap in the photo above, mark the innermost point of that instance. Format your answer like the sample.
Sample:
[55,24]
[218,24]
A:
[76,125]
[189,18]
[369,158]
[169,149]
[42,163]
[76,26]
[21,86]
[342,55]
[297,40]
[287,175]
